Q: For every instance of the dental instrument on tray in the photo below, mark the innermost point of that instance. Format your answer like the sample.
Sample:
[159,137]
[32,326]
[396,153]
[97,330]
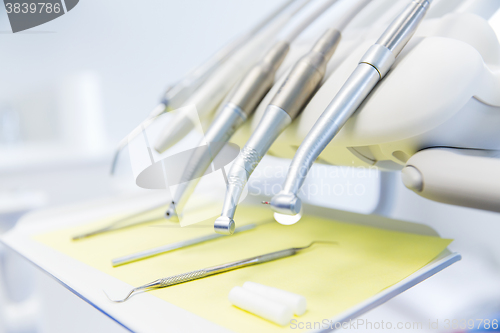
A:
[175,246]
[295,92]
[372,67]
[178,93]
[240,105]
[201,273]
[115,224]
[212,92]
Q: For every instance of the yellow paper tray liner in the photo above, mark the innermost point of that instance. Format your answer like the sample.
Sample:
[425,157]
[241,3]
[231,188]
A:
[333,278]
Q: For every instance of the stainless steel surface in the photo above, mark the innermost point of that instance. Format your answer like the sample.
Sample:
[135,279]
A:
[115,225]
[274,121]
[201,273]
[404,26]
[295,92]
[248,94]
[259,79]
[224,225]
[242,103]
[350,96]
[181,278]
[306,75]
[286,203]
[225,124]
[372,67]
[379,57]
[174,246]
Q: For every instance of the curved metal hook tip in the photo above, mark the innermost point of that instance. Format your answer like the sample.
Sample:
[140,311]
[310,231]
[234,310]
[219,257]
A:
[120,300]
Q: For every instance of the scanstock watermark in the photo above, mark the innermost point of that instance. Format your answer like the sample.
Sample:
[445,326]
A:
[477,324]
[26,14]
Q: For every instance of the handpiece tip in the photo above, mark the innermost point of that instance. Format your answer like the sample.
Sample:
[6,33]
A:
[171,214]
[224,225]
[286,203]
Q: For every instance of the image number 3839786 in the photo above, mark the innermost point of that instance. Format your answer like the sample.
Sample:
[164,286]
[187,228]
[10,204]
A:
[26,14]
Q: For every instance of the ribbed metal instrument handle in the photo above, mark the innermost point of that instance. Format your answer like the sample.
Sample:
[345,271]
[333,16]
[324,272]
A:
[185,277]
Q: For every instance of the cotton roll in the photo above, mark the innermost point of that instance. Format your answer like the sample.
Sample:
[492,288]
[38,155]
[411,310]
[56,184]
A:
[263,307]
[296,302]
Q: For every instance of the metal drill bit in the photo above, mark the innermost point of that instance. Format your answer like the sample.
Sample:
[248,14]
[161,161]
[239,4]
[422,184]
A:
[288,102]
[372,68]
[240,105]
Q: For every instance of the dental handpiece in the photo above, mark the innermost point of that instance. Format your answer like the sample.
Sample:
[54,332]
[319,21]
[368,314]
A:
[178,93]
[212,92]
[239,106]
[297,89]
[372,67]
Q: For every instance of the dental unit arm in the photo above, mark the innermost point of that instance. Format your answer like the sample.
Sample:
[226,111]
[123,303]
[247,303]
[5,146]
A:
[299,86]
[372,67]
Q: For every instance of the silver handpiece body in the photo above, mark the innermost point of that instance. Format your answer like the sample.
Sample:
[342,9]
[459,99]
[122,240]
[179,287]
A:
[372,67]
[241,104]
[293,95]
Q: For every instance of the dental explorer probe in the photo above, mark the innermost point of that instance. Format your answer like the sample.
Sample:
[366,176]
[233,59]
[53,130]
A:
[372,67]
[297,89]
[201,273]
[115,225]
[241,103]
[212,92]
[175,95]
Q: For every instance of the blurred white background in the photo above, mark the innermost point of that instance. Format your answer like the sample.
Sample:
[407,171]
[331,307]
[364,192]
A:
[136,48]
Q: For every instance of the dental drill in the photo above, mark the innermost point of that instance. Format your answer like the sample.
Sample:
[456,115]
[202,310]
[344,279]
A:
[295,92]
[177,94]
[211,93]
[372,67]
[239,106]
[246,97]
